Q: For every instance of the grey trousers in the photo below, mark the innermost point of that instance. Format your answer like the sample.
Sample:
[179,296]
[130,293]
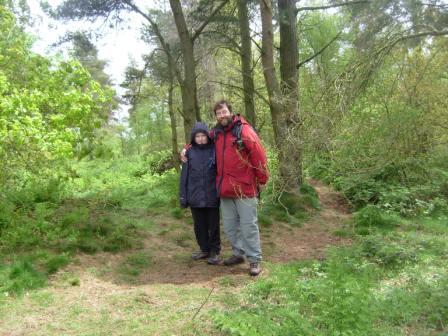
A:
[239,217]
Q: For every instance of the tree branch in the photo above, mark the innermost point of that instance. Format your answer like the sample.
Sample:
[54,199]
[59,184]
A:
[153,24]
[389,46]
[320,51]
[432,5]
[421,34]
[207,21]
[348,3]
[256,43]
[241,89]
[157,32]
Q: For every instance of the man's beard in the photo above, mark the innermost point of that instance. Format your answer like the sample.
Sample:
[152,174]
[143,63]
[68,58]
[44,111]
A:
[225,121]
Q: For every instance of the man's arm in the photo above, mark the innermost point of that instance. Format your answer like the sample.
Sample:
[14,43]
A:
[183,153]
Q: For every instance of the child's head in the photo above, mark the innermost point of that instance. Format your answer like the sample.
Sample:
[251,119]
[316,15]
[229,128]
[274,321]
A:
[199,134]
[201,138]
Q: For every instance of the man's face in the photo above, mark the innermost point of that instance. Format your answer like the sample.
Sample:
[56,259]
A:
[223,116]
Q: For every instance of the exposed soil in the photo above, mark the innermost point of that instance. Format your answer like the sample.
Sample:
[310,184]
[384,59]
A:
[170,294]
[172,242]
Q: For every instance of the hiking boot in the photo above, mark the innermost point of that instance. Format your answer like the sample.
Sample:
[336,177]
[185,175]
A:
[214,259]
[234,260]
[254,269]
[200,255]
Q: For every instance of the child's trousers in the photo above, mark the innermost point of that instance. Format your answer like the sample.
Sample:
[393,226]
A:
[206,229]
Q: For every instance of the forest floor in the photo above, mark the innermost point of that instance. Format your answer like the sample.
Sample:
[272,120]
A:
[158,289]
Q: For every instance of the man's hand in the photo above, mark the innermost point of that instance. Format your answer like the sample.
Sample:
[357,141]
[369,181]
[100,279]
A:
[261,187]
[183,157]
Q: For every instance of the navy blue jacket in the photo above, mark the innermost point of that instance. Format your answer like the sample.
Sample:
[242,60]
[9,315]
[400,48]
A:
[198,176]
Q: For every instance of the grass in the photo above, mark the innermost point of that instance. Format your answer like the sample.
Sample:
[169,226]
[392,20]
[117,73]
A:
[183,239]
[391,281]
[134,264]
[140,310]
[386,283]
[109,206]
[294,209]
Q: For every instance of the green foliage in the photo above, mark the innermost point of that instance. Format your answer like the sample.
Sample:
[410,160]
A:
[135,263]
[381,141]
[316,299]
[387,253]
[288,207]
[56,262]
[177,213]
[385,284]
[264,219]
[371,217]
[418,304]
[19,276]
[47,110]
[100,206]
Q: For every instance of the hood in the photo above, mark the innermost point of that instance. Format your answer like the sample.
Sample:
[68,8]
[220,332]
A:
[202,128]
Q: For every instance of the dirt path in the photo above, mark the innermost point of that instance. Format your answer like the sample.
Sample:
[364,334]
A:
[165,295]
[171,263]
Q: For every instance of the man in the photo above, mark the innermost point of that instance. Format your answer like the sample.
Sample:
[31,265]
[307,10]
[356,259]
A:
[241,174]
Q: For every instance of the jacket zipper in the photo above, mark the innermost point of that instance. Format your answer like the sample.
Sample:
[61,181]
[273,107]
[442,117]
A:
[222,165]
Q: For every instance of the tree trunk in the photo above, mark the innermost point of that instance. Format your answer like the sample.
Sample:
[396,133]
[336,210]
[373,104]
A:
[173,124]
[190,106]
[283,99]
[246,62]
[290,154]
[267,60]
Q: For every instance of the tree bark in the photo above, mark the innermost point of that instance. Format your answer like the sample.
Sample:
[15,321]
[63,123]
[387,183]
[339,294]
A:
[267,60]
[190,106]
[173,125]
[283,97]
[290,153]
[246,62]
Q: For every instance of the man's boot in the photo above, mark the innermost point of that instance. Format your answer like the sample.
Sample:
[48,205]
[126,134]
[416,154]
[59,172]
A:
[254,269]
[234,260]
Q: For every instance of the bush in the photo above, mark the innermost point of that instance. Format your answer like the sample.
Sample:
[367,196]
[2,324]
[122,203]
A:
[56,262]
[370,217]
[383,284]
[305,299]
[20,277]
[388,253]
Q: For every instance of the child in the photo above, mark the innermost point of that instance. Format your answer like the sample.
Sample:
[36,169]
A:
[198,191]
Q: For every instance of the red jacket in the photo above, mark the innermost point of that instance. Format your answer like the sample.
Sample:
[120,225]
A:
[239,172]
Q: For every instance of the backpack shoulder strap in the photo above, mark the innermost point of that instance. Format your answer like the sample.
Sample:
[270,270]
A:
[236,132]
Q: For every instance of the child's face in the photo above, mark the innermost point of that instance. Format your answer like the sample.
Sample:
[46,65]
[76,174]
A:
[201,139]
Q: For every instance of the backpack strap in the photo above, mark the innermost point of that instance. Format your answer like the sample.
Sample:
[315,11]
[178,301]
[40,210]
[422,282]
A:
[236,131]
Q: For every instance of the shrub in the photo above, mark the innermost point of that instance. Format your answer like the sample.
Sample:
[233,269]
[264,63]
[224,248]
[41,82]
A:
[56,262]
[371,217]
[20,277]
[388,253]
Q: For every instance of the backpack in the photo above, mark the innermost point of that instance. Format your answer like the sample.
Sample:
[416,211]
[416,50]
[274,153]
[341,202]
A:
[236,133]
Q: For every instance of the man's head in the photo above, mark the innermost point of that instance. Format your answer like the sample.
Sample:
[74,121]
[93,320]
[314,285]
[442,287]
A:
[223,113]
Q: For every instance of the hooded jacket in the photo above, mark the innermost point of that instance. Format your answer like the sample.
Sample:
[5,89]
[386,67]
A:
[198,177]
[239,171]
